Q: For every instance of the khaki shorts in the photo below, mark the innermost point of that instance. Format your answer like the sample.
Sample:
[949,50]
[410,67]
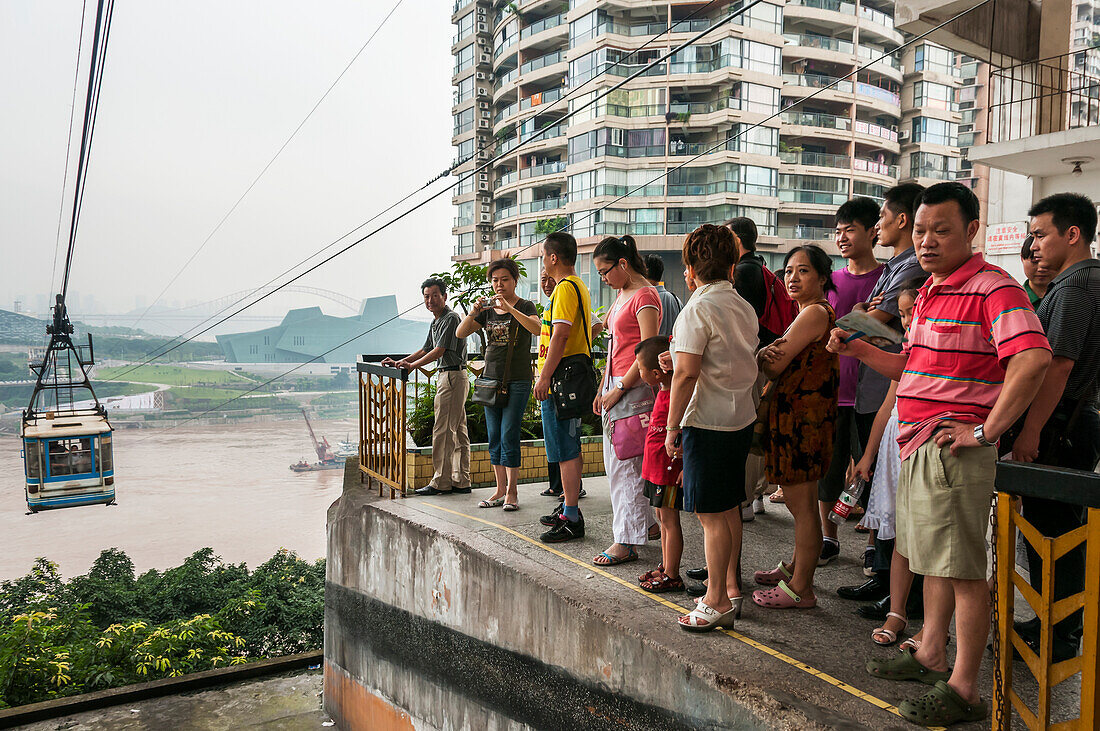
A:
[943,510]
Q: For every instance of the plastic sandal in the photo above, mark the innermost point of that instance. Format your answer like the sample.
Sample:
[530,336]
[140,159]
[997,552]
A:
[494,503]
[609,560]
[906,667]
[737,601]
[889,634]
[781,597]
[660,570]
[511,507]
[942,706]
[705,619]
[773,577]
[662,583]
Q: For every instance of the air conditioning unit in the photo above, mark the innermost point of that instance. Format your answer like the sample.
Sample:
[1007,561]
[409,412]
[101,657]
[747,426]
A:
[482,91]
[485,113]
[481,76]
[483,124]
[483,176]
[486,58]
[486,209]
[482,28]
[482,41]
[486,218]
[903,136]
[481,11]
[483,155]
[484,238]
[483,105]
[482,185]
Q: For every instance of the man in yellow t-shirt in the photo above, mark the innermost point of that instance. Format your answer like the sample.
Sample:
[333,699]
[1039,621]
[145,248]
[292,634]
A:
[565,331]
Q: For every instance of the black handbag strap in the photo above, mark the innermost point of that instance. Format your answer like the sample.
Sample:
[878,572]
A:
[584,314]
[508,356]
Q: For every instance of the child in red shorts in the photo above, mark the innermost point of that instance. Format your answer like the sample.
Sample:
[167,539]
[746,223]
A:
[660,472]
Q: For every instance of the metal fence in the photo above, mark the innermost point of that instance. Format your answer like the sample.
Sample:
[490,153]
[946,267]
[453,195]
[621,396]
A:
[1039,97]
[1075,488]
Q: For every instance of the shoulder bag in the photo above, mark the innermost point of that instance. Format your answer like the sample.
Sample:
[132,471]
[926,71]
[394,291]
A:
[573,385]
[493,392]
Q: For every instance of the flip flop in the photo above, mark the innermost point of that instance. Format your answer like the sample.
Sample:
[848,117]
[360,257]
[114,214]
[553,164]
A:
[904,666]
[773,577]
[610,560]
[942,706]
[889,634]
[782,597]
[705,619]
[777,496]
[494,503]
[511,507]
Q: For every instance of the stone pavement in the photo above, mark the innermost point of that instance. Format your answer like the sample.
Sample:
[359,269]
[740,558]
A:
[811,661]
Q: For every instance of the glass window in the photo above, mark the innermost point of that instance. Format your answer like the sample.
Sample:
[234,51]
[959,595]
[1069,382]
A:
[757,140]
[464,59]
[465,149]
[935,131]
[106,456]
[464,243]
[32,457]
[464,27]
[464,90]
[937,96]
[70,456]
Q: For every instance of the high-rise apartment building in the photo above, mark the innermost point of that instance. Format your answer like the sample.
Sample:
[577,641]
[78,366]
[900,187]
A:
[628,163]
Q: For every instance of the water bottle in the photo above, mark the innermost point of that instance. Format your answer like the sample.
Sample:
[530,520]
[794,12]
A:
[848,500]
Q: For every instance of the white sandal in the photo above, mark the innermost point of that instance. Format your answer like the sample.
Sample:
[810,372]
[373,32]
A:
[737,602]
[890,634]
[705,619]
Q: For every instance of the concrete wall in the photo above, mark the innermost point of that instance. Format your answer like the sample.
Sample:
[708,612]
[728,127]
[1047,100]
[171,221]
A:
[428,625]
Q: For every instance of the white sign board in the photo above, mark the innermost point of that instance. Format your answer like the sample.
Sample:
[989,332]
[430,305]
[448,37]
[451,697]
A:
[1005,238]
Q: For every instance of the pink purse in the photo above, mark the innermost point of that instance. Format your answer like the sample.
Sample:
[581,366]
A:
[628,432]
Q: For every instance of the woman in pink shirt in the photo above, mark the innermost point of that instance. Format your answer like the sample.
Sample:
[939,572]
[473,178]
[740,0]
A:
[625,399]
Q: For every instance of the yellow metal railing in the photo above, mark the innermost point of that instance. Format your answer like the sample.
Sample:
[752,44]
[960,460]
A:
[382,421]
[1076,488]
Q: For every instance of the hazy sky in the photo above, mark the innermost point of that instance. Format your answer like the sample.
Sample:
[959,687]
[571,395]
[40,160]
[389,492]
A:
[196,98]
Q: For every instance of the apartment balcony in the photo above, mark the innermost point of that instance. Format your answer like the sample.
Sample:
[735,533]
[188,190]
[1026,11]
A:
[877,23]
[546,204]
[816,159]
[889,100]
[539,69]
[887,65]
[820,48]
[806,233]
[555,23]
[829,12]
[806,84]
[1043,118]
[811,197]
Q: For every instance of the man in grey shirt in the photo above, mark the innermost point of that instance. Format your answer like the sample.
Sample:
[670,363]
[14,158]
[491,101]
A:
[450,438]
[670,303]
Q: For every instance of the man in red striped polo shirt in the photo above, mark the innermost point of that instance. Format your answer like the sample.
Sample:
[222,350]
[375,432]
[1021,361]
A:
[975,357]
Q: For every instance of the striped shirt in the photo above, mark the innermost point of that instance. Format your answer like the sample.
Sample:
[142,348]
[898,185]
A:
[963,333]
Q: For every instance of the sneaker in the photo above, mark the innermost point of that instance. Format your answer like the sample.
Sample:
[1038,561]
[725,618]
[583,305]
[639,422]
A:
[552,519]
[565,530]
[869,562]
[758,506]
[747,514]
[829,552]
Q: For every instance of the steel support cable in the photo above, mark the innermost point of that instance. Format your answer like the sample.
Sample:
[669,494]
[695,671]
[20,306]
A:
[188,335]
[721,143]
[85,137]
[271,162]
[68,143]
[534,137]
[83,172]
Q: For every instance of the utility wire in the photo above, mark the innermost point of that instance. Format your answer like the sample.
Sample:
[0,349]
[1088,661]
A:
[534,137]
[68,144]
[271,162]
[168,347]
[721,143]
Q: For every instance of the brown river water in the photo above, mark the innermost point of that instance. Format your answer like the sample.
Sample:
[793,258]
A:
[227,487]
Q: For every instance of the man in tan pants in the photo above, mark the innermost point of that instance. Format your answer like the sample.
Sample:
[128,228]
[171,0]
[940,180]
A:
[450,439]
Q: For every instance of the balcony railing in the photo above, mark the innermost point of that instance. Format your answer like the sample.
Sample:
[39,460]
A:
[548,59]
[818,159]
[931,171]
[837,6]
[811,197]
[547,168]
[817,81]
[542,97]
[877,92]
[876,130]
[827,44]
[814,119]
[545,24]
[876,16]
[806,233]
[546,204]
[1042,97]
[878,168]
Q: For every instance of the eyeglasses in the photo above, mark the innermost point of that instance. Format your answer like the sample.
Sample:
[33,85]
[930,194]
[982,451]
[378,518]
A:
[605,271]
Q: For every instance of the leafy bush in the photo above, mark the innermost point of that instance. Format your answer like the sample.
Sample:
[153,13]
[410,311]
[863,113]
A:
[109,628]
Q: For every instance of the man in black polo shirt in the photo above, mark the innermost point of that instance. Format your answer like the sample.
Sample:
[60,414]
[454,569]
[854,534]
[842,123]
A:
[1062,427]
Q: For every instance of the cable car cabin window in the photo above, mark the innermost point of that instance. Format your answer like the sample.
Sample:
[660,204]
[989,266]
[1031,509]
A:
[32,455]
[71,457]
[105,458]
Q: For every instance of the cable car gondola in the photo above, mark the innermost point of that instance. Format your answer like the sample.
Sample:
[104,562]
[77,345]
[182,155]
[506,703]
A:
[67,450]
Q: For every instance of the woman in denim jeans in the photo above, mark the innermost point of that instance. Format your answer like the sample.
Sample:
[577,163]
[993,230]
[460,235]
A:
[508,322]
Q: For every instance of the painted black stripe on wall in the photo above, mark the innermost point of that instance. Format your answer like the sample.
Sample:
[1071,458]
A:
[512,685]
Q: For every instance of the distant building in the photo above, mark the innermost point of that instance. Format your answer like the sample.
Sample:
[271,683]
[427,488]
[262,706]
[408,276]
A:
[307,333]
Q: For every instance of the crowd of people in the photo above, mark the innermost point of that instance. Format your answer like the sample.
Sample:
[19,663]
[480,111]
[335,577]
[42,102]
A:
[752,386]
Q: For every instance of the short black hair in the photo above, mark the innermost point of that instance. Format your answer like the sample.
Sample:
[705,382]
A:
[615,248]
[562,245]
[654,267]
[506,263]
[903,198]
[649,349]
[861,210]
[745,228]
[819,260]
[912,286]
[1026,252]
[434,282]
[951,191]
[1069,209]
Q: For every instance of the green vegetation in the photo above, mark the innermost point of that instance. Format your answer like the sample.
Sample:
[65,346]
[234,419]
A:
[110,628]
[173,375]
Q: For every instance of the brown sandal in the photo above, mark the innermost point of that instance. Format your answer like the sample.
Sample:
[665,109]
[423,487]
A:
[663,583]
[652,574]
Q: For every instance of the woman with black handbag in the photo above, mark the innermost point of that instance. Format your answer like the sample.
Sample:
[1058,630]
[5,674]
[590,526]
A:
[504,387]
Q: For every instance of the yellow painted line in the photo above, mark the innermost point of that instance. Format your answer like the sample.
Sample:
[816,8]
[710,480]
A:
[820,674]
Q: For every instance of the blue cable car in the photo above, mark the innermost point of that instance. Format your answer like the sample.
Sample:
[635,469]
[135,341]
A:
[67,451]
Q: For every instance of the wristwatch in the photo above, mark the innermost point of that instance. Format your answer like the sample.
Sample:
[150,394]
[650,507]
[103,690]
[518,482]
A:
[620,386]
[979,435]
